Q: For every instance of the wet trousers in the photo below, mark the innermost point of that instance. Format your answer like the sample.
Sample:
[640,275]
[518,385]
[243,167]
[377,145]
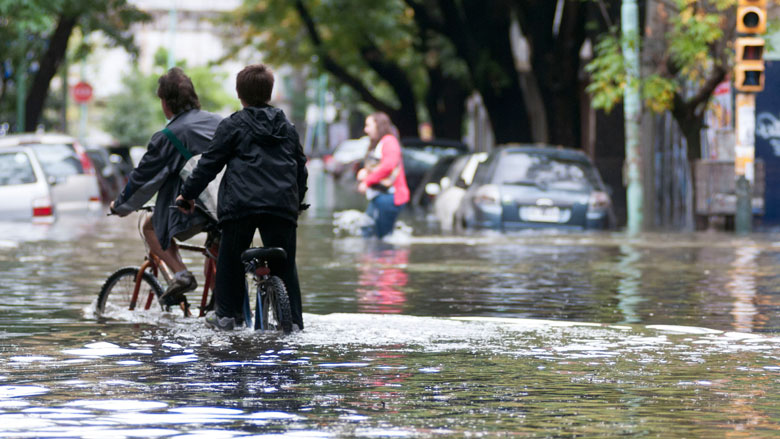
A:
[236,237]
[384,212]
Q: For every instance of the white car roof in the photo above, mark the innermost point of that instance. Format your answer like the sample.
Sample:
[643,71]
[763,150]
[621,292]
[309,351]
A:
[33,138]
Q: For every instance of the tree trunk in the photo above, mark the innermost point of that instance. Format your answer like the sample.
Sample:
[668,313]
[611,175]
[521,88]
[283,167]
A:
[50,62]
[555,32]
[480,32]
[446,104]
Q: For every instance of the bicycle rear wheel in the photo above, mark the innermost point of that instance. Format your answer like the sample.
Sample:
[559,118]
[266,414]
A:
[276,313]
[116,295]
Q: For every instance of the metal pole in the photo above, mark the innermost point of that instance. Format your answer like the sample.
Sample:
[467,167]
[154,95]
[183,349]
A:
[629,15]
[745,128]
[172,21]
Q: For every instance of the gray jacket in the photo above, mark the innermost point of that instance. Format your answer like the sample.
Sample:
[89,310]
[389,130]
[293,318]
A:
[158,172]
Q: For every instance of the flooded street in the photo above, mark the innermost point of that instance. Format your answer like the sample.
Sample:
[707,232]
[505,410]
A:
[535,334]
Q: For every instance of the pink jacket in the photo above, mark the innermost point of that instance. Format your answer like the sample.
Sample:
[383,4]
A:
[391,157]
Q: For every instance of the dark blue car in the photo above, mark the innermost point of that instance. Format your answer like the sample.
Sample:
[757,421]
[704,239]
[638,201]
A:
[531,186]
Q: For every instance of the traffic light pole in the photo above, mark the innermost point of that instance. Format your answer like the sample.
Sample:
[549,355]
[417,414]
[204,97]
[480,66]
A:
[629,19]
[745,128]
[748,80]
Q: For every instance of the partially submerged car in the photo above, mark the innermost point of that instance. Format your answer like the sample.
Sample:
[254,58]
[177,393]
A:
[68,169]
[23,187]
[530,186]
[452,187]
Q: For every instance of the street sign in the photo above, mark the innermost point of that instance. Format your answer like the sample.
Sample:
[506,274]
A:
[82,92]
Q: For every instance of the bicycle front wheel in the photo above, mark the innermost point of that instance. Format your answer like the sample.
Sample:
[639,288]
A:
[117,294]
[276,313]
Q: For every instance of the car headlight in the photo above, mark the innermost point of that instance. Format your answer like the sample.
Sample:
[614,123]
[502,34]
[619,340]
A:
[599,200]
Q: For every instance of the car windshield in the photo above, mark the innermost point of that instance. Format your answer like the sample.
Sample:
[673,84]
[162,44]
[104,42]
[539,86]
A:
[543,171]
[15,168]
[58,160]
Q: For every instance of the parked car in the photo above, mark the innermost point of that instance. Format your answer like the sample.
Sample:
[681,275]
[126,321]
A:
[421,155]
[108,173]
[23,187]
[346,158]
[430,184]
[68,169]
[452,187]
[524,186]
[418,155]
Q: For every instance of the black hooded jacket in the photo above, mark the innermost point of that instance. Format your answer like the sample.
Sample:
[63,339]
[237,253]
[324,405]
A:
[266,168]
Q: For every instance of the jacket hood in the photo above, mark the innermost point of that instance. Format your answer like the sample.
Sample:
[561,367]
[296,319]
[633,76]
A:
[268,124]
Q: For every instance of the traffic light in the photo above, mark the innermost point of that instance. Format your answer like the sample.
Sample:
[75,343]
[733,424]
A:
[751,16]
[749,61]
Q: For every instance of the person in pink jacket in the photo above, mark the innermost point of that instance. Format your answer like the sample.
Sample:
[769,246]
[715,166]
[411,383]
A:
[383,179]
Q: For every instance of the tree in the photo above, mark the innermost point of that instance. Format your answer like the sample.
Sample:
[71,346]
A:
[689,50]
[375,48]
[134,114]
[39,40]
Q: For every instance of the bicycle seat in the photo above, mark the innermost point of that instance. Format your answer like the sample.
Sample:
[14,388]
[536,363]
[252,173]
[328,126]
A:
[263,253]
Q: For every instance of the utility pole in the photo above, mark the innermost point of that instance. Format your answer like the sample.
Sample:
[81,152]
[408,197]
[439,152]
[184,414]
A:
[748,80]
[629,23]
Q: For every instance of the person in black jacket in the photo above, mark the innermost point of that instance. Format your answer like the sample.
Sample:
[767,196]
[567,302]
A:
[158,172]
[262,189]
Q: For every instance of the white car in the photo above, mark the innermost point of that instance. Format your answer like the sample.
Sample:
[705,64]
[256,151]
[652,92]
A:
[68,169]
[452,188]
[23,187]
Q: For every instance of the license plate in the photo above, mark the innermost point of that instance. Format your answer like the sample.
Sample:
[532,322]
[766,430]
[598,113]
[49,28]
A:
[540,214]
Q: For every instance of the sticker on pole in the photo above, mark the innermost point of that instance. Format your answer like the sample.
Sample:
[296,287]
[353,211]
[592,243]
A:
[82,92]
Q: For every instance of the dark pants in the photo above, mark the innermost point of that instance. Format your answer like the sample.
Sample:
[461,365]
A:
[237,237]
[384,212]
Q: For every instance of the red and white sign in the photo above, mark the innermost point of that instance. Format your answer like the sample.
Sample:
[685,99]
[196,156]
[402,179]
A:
[82,92]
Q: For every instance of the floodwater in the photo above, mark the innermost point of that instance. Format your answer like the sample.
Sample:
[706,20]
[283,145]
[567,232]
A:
[529,334]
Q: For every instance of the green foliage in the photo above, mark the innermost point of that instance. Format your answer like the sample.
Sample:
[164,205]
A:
[26,27]
[346,28]
[693,46]
[607,73]
[134,114]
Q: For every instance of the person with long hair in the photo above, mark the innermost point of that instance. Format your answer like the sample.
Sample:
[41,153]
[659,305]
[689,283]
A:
[383,179]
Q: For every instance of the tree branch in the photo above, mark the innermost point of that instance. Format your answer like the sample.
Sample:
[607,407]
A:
[332,66]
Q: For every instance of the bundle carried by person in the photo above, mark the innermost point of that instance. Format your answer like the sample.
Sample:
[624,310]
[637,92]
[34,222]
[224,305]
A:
[207,200]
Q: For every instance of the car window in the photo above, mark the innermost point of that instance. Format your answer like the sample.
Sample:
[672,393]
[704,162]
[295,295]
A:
[15,168]
[58,160]
[545,171]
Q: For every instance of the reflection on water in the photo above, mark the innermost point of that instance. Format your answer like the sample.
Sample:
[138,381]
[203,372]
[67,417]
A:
[743,288]
[381,279]
[529,334]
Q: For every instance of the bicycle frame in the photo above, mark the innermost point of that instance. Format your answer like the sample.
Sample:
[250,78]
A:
[158,267]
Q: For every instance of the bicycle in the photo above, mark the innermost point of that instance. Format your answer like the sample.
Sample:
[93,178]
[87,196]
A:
[272,304]
[138,288]
[125,287]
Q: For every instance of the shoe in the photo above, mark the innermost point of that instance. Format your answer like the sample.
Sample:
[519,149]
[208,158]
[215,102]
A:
[182,282]
[221,323]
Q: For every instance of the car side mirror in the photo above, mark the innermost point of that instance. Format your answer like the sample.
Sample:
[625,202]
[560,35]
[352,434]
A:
[52,180]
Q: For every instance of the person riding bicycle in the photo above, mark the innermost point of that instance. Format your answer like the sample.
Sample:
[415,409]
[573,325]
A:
[158,172]
[262,189]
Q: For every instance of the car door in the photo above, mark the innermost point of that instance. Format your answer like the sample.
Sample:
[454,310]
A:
[72,188]
[23,186]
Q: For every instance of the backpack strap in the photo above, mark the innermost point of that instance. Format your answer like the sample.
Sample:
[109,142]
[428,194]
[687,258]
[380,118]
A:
[177,143]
